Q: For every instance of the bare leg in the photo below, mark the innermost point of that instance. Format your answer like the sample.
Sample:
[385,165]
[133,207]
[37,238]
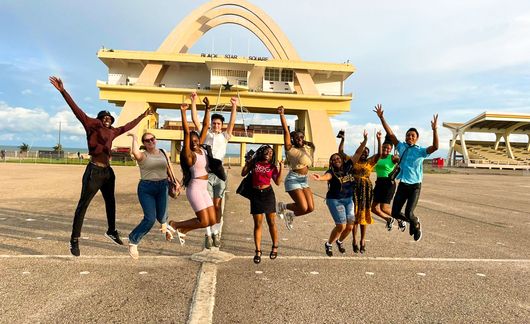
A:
[205,217]
[376,209]
[336,232]
[258,220]
[218,212]
[300,205]
[273,230]
[346,231]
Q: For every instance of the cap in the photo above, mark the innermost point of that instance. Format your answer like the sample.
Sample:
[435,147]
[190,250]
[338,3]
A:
[104,113]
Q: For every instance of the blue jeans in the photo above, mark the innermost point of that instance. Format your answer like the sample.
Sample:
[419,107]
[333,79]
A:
[341,210]
[295,181]
[153,198]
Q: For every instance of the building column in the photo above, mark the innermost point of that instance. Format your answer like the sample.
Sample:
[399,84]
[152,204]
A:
[242,152]
[175,151]
[464,149]
[508,146]
[498,137]
[528,145]
[278,152]
[450,154]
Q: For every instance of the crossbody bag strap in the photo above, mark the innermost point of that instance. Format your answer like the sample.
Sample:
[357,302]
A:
[168,168]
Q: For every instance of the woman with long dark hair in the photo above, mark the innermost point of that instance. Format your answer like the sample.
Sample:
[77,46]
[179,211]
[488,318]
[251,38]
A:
[363,192]
[339,196]
[299,155]
[263,201]
[152,188]
[194,163]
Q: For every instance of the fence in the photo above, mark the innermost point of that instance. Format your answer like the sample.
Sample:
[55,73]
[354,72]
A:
[47,157]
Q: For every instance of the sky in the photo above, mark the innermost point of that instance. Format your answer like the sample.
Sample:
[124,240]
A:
[457,58]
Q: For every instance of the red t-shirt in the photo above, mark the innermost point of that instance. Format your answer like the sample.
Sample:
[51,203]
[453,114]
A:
[262,174]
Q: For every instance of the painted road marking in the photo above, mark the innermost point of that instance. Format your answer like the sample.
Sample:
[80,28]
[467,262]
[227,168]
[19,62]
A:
[201,310]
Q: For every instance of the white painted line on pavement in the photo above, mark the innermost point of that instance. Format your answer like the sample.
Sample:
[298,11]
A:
[480,274]
[346,258]
[369,273]
[201,310]
[64,256]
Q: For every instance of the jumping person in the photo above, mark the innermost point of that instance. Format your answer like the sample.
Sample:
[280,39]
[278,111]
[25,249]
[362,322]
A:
[152,188]
[218,140]
[299,155]
[385,186]
[411,171]
[362,192]
[194,163]
[98,173]
[263,201]
[339,197]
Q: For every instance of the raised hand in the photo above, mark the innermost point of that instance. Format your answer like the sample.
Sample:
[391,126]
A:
[233,101]
[280,110]
[434,122]
[193,96]
[149,111]
[206,102]
[379,110]
[184,106]
[365,135]
[378,135]
[57,83]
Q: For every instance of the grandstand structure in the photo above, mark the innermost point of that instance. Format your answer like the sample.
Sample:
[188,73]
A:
[503,153]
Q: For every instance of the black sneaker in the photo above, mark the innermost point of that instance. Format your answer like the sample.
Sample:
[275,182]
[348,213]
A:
[114,237]
[402,225]
[329,249]
[340,246]
[389,224]
[74,247]
[417,233]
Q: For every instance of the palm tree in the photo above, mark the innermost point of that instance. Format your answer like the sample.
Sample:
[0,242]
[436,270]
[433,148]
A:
[58,148]
[24,148]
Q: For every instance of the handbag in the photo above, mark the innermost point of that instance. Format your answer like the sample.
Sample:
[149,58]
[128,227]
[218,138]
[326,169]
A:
[392,175]
[245,187]
[172,189]
[215,166]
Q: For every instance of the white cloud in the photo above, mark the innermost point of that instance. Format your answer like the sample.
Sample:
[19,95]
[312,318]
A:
[36,122]
[26,92]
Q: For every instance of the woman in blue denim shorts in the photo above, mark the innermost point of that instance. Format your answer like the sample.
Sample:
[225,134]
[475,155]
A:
[339,196]
[299,155]
[152,189]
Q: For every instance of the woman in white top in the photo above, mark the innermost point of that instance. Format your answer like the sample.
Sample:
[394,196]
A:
[152,188]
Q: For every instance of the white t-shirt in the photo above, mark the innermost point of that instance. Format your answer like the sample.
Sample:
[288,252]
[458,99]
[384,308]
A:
[218,142]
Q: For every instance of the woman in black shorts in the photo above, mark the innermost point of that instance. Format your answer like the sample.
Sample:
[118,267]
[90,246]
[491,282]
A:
[263,201]
[385,187]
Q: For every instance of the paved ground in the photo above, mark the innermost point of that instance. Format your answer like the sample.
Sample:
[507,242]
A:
[472,264]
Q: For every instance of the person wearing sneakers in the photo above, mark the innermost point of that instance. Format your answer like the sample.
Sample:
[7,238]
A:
[299,155]
[362,191]
[98,173]
[339,195]
[411,172]
[152,188]
[194,163]
[385,186]
[263,201]
[217,139]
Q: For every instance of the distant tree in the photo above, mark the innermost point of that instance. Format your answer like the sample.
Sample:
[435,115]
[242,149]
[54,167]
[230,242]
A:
[24,148]
[58,148]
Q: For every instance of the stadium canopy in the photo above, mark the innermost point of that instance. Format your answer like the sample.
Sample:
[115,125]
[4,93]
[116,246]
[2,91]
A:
[501,124]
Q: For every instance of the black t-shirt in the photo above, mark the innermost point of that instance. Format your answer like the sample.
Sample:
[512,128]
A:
[341,184]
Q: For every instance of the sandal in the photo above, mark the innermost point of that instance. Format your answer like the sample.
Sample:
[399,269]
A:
[172,231]
[355,248]
[257,257]
[274,254]
[363,249]
[164,230]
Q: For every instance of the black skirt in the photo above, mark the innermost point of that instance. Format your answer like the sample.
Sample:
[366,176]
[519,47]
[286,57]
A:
[384,190]
[263,201]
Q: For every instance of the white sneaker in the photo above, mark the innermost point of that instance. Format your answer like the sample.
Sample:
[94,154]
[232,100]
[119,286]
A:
[280,209]
[289,218]
[133,251]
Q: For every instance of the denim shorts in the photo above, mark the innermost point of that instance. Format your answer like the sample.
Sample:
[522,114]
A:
[295,181]
[216,186]
[341,210]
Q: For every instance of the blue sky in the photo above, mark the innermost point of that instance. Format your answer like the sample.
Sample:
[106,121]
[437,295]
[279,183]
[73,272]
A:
[417,58]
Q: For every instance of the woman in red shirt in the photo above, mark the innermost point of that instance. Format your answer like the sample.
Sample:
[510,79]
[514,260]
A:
[263,201]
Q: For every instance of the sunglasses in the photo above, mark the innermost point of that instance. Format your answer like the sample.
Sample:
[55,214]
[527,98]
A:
[150,139]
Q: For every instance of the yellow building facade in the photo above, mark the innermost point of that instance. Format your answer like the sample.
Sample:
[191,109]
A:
[163,79]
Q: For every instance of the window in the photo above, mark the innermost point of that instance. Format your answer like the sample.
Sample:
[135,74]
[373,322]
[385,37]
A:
[287,75]
[272,74]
